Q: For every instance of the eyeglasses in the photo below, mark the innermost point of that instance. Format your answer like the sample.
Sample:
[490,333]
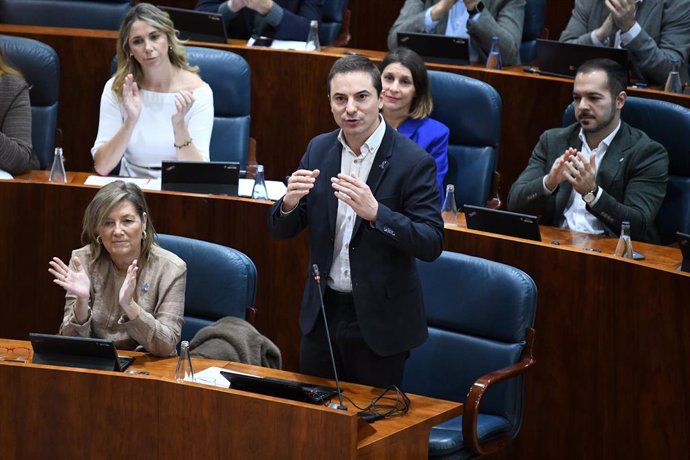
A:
[18,354]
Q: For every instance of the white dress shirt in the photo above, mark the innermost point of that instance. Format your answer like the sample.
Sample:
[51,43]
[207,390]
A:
[575,216]
[339,276]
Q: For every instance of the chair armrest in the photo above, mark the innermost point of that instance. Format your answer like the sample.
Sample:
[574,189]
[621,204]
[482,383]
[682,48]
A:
[494,201]
[251,315]
[474,397]
[344,36]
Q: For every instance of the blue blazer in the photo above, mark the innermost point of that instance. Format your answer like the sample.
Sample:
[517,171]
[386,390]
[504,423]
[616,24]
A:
[432,136]
[385,285]
[297,14]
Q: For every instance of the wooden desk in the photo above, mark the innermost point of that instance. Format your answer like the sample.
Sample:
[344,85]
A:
[55,412]
[288,101]
[613,335]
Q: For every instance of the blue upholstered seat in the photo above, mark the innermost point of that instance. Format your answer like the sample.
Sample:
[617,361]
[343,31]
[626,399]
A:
[332,16]
[479,314]
[535,14]
[472,111]
[86,14]
[40,66]
[227,74]
[221,282]
[669,125]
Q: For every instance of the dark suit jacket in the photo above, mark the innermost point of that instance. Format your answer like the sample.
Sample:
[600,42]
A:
[297,14]
[385,285]
[665,35]
[633,175]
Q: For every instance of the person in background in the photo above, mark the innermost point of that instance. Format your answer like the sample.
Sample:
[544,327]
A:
[16,154]
[654,33]
[407,105]
[121,285]
[480,20]
[279,19]
[598,172]
[155,107]
[369,198]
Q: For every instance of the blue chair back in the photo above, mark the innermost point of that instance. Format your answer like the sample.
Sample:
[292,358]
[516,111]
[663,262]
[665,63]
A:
[40,66]
[535,14]
[331,20]
[477,312]
[228,76]
[221,281]
[87,14]
[472,111]
[669,125]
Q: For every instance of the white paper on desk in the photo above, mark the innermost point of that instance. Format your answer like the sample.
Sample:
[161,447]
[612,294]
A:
[274,188]
[289,45]
[142,182]
[4,175]
[212,376]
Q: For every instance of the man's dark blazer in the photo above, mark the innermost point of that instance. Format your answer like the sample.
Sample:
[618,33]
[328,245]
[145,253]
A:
[633,175]
[665,35]
[297,14]
[385,285]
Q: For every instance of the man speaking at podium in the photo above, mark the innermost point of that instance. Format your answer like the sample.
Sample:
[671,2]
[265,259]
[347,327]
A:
[370,200]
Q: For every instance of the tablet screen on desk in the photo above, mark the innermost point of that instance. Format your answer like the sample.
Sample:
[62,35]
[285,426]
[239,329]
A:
[82,352]
[288,389]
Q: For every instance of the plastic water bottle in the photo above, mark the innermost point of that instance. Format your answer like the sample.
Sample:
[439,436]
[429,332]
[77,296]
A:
[57,171]
[624,247]
[259,191]
[184,371]
[494,60]
[673,83]
[449,211]
[313,37]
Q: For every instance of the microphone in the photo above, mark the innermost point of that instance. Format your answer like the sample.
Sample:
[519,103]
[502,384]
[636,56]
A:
[317,278]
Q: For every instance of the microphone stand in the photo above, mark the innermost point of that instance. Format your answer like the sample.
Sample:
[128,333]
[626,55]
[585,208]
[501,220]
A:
[317,278]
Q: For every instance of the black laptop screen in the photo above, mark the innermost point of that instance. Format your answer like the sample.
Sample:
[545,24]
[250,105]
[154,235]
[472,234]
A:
[437,48]
[562,59]
[207,177]
[83,352]
[502,222]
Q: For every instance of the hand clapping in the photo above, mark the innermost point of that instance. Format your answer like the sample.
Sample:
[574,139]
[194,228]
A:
[127,291]
[183,102]
[75,282]
[131,99]
[622,13]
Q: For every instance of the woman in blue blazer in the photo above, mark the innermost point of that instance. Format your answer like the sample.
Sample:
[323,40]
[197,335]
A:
[407,105]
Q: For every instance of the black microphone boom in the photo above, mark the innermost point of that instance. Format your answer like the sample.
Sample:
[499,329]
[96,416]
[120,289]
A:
[317,278]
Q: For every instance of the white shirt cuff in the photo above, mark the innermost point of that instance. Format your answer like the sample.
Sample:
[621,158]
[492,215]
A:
[631,34]
[429,23]
[595,40]
[547,192]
